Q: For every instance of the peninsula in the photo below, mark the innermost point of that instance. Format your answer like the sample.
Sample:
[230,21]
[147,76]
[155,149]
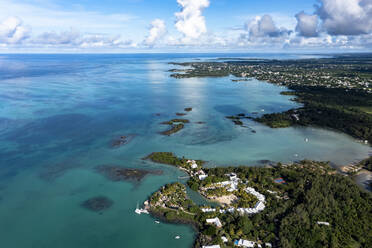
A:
[304,204]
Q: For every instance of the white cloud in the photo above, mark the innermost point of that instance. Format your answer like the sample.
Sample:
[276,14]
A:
[12,31]
[74,39]
[157,31]
[264,26]
[54,38]
[346,17]
[45,16]
[307,25]
[190,21]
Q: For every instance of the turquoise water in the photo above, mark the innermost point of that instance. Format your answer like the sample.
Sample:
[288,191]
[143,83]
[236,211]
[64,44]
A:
[63,111]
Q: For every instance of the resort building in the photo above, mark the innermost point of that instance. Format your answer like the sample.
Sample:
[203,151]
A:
[193,164]
[322,223]
[202,177]
[208,210]
[246,243]
[216,221]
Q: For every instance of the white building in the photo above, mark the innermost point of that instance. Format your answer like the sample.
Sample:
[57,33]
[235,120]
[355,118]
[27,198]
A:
[322,223]
[193,164]
[208,210]
[216,221]
[246,243]
[260,206]
[202,177]
[224,239]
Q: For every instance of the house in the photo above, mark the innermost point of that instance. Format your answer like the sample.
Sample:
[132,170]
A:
[224,239]
[208,210]
[202,177]
[322,223]
[232,176]
[216,221]
[193,164]
[260,206]
[246,243]
[201,174]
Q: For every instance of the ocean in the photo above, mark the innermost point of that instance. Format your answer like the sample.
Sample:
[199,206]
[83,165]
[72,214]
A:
[60,113]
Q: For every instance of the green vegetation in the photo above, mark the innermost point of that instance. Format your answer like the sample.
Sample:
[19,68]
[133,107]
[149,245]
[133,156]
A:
[165,158]
[174,129]
[172,204]
[171,122]
[170,159]
[366,164]
[176,126]
[332,108]
[236,119]
[245,200]
[335,92]
[313,192]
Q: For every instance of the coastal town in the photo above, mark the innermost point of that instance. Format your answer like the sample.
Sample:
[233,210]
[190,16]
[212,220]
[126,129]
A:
[345,72]
[246,204]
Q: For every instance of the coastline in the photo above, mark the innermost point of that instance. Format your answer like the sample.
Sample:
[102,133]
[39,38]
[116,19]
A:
[363,178]
[329,100]
[161,210]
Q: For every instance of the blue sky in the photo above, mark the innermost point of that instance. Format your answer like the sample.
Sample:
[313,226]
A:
[193,25]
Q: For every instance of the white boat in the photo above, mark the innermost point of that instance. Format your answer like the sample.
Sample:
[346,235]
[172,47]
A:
[306,140]
[177,237]
[157,222]
[141,210]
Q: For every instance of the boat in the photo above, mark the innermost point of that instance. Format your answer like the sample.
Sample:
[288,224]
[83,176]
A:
[177,237]
[157,222]
[306,140]
[141,210]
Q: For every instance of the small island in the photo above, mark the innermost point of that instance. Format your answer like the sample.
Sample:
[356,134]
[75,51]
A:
[304,204]
[176,126]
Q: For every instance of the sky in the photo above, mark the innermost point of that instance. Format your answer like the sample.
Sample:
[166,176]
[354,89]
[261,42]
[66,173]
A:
[121,26]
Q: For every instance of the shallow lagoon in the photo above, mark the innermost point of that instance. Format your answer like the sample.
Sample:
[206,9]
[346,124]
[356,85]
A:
[64,110]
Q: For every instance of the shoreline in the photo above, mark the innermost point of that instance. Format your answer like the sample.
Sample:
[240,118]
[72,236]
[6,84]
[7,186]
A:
[362,178]
[326,102]
[276,193]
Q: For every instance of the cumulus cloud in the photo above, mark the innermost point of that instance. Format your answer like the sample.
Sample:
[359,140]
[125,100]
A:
[346,17]
[264,27]
[157,31]
[190,21]
[12,31]
[307,25]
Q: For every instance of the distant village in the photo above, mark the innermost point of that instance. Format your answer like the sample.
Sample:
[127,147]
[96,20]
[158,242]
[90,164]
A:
[297,72]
